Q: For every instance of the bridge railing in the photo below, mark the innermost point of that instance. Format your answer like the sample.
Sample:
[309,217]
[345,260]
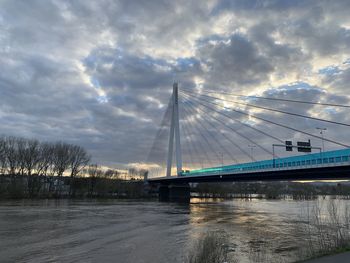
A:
[284,164]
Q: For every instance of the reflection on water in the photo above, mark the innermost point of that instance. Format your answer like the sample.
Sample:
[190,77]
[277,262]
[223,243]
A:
[146,231]
[252,226]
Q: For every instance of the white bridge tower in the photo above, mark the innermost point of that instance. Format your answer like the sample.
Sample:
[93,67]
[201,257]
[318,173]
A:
[174,131]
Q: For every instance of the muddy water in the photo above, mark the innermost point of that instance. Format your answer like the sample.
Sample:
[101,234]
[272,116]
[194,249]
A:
[147,231]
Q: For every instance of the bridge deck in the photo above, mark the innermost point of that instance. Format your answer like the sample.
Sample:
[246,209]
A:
[341,172]
[324,159]
[331,165]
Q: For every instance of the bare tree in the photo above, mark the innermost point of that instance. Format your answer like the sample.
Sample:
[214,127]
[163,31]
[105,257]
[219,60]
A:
[61,158]
[20,150]
[32,159]
[46,152]
[60,163]
[137,173]
[11,154]
[2,155]
[112,174]
[116,174]
[109,173]
[31,156]
[77,161]
[93,171]
[132,172]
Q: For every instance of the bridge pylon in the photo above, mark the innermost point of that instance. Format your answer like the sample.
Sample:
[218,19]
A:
[174,134]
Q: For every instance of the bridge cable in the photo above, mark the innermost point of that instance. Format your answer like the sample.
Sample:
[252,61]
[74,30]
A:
[204,151]
[275,99]
[197,152]
[188,148]
[223,134]
[188,139]
[278,124]
[247,138]
[160,133]
[244,124]
[230,128]
[276,110]
[218,143]
[192,110]
[204,137]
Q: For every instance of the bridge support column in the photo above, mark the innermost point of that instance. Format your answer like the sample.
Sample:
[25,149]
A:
[175,192]
[163,193]
[174,131]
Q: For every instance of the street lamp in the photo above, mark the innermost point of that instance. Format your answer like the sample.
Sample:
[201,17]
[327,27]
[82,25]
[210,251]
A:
[251,150]
[222,161]
[322,130]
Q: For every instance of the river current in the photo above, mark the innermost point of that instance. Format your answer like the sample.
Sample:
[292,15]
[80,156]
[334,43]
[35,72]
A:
[129,231]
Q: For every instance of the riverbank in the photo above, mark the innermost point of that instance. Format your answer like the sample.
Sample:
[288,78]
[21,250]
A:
[40,186]
[35,186]
[339,257]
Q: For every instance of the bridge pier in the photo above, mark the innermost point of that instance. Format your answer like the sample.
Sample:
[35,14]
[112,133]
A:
[180,192]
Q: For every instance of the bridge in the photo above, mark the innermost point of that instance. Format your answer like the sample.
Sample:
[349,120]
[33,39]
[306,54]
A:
[211,128]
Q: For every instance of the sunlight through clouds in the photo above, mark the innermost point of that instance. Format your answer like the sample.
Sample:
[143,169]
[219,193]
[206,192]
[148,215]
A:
[116,61]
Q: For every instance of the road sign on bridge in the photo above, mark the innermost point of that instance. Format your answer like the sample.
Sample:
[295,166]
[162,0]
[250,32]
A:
[304,147]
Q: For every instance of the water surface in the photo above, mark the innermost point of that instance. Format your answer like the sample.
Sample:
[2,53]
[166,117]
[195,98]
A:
[147,231]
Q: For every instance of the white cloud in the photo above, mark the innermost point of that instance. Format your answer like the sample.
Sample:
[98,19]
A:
[100,72]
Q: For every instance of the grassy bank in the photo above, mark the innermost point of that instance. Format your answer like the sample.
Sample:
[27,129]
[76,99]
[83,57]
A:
[328,229]
[210,248]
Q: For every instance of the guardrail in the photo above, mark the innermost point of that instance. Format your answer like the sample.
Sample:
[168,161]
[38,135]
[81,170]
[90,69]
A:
[241,171]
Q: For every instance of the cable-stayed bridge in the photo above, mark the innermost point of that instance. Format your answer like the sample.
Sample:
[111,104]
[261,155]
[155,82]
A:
[213,136]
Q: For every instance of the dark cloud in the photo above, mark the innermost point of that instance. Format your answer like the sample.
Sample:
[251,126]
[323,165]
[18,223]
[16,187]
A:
[236,60]
[99,73]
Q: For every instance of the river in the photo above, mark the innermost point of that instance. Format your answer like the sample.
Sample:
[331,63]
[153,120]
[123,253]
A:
[128,231]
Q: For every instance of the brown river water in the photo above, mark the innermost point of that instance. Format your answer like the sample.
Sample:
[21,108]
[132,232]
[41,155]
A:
[129,231]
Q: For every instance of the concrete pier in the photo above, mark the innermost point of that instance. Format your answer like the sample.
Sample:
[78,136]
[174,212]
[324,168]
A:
[174,192]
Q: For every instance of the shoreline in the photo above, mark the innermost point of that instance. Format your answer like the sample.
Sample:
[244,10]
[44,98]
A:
[339,256]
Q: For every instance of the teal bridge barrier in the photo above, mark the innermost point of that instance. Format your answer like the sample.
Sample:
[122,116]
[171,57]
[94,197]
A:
[328,158]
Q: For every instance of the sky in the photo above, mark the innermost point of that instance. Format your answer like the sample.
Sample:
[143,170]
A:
[99,73]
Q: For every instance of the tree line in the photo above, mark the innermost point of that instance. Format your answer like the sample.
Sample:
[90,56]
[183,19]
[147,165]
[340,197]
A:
[271,190]
[30,168]
[20,156]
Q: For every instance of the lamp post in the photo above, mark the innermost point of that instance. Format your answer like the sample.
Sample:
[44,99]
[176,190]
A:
[322,130]
[222,161]
[251,150]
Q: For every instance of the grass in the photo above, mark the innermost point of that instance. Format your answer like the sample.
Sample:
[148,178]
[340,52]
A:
[328,230]
[211,248]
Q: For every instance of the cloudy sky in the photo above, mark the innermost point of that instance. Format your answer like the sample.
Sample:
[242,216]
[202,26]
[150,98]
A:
[99,73]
